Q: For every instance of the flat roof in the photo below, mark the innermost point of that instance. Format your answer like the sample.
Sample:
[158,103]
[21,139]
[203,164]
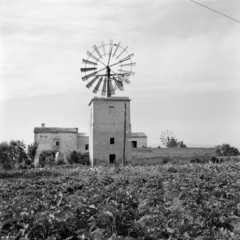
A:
[122,99]
[54,130]
[138,135]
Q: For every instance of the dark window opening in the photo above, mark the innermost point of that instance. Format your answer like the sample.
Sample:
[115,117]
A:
[86,146]
[111,109]
[112,158]
[57,143]
[134,144]
[112,140]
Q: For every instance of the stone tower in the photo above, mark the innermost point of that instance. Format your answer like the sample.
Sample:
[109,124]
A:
[108,116]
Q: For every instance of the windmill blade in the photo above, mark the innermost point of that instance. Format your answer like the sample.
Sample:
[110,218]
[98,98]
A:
[104,91]
[163,141]
[128,72]
[97,51]
[87,69]
[122,79]
[111,88]
[110,47]
[122,52]
[97,86]
[119,84]
[92,82]
[116,48]
[128,64]
[88,76]
[127,58]
[103,46]
[89,62]
[91,55]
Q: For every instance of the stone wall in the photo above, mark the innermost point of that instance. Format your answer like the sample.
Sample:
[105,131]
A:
[82,141]
[141,141]
[151,153]
[46,141]
[107,121]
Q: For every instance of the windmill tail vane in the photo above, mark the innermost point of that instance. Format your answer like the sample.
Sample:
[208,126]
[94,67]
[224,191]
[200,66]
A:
[107,68]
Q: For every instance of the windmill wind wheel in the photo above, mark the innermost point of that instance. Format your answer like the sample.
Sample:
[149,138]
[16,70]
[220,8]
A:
[107,68]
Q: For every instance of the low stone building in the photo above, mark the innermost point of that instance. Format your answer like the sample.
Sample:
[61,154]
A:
[62,140]
[139,140]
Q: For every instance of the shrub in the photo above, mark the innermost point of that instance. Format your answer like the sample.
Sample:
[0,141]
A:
[165,160]
[32,150]
[12,154]
[47,158]
[60,161]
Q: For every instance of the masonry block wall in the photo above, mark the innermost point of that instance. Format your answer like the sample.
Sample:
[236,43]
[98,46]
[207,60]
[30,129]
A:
[150,153]
[48,141]
[82,142]
[106,141]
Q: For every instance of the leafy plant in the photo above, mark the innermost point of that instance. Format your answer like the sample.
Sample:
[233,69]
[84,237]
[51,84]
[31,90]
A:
[191,201]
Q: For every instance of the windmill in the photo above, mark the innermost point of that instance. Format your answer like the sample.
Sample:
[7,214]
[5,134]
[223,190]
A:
[107,68]
[167,136]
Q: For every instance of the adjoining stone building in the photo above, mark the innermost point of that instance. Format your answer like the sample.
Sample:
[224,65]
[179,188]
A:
[62,140]
[65,140]
[139,140]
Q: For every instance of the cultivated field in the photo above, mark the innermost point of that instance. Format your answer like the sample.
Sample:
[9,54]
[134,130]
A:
[190,201]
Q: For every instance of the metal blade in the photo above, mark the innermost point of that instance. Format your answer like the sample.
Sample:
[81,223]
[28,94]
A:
[91,55]
[97,86]
[97,51]
[122,52]
[87,69]
[103,46]
[88,76]
[111,88]
[116,48]
[128,72]
[92,82]
[119,84]
[110,47]
[89,62]
[104,91]
[127,58]
[122,79]
[128,64]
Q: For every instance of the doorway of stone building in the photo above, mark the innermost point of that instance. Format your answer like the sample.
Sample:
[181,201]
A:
[134,144]
[112,158]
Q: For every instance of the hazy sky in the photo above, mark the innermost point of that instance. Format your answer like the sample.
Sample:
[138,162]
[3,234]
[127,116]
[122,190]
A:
[187,73]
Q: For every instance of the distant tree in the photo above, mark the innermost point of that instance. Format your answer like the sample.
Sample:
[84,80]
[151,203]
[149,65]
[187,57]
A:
[173,143]
[226,150]
[4,155]
[17,151]
[32,150]
[181,144]
[12,153]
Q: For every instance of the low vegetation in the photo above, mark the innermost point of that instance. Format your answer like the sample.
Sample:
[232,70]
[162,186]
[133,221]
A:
[191,201]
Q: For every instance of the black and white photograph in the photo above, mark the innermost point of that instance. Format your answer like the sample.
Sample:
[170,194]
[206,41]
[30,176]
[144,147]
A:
[119,119]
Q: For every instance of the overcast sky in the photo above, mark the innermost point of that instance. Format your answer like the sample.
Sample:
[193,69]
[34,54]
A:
[187,73]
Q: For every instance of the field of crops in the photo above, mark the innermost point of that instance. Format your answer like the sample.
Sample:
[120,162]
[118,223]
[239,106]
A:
[191,201]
